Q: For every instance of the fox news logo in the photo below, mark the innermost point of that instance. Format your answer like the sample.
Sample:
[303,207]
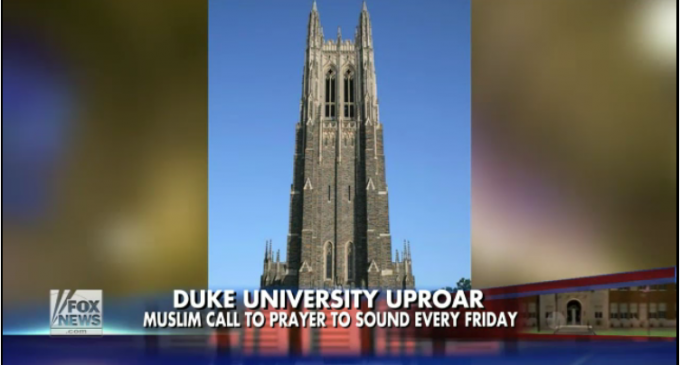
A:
[76,313]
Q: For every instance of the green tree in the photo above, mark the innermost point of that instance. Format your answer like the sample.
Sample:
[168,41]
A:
[463,284]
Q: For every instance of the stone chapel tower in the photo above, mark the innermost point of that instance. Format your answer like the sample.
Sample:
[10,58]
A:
[339,224]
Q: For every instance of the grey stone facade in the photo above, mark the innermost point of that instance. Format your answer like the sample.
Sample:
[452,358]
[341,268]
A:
[339,222]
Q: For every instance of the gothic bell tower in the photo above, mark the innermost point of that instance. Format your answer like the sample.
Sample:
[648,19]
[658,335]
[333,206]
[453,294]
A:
[339,233]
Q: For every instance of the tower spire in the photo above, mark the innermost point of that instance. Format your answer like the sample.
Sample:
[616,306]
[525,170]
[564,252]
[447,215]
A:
[366,62]
[314,33]
[364,31]
[363,6]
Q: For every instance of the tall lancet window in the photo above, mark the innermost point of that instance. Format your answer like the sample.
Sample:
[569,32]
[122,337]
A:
[329,260]
[330,94]
[349,94]
[350,262]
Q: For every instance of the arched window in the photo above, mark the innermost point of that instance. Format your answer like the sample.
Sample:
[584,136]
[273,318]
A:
[330,94]
[350,261]
[349,94]
[329,261]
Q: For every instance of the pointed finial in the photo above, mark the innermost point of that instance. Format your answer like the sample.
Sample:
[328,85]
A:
[339,33]
[278,255]
[397,255]
[364,7]
[314,6]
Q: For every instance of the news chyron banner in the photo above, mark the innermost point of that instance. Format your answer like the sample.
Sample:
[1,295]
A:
[303,308]
[80,312]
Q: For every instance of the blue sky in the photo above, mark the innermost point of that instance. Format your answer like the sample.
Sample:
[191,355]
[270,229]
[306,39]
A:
[256,55]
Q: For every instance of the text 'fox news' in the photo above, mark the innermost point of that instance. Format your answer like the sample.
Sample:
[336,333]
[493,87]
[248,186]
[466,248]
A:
[76,313]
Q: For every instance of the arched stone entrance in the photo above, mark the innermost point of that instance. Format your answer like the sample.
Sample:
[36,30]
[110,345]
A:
[574,309]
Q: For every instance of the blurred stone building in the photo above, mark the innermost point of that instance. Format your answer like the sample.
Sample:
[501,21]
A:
[634,307]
